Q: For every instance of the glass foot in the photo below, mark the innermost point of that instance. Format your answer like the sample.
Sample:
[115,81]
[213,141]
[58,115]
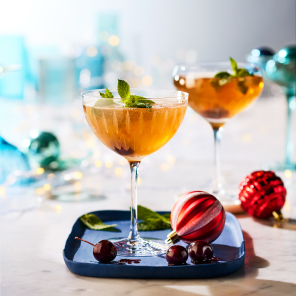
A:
[143,247]
[64,196]
[225,197]
[229,200]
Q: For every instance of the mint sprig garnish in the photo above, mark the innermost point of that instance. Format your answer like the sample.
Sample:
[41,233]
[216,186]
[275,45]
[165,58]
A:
[132,101]
[94,222]
[222,78]
[107,94]
[152,220]
[137,102]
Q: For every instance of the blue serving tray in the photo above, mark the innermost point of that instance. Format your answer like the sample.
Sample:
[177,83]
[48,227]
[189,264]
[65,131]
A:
[78,256]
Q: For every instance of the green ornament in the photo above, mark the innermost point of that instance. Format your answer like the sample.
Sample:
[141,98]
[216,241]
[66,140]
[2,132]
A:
[44,149]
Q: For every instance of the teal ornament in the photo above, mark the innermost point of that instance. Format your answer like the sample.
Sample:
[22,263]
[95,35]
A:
[262,51]
[260,56]
[44,149]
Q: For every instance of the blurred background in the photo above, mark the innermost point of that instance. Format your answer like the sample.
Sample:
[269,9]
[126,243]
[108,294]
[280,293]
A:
[51,51]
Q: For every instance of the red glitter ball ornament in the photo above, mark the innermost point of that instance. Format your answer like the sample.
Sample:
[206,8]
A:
[197,215]
[262,194]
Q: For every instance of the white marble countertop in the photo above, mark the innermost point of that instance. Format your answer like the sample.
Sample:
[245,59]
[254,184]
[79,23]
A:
[32,262]
[32,241]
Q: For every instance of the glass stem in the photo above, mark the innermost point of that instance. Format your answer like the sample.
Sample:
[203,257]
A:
[134,234]
[217,186]
[289,135]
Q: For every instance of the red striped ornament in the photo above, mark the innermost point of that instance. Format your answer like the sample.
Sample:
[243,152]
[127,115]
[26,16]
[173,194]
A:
[197,215]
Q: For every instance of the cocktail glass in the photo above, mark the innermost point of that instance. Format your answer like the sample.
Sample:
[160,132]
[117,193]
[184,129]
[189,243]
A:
[282,70]
[217,101]
[135,133]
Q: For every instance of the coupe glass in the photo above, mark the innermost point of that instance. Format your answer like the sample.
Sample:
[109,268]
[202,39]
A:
[217,100]
[135,133]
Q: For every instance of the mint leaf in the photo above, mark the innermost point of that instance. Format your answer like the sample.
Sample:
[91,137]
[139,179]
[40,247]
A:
[145,101]
[220,79]
[167,216]
[145,213]
[107,94]
[123,89]
[234,66]
[152,220]
[222,75]
[137,102]
[131,104]
[136,97]
[94,222]
[239,72]
[142,99]
[243,73]
[153,224]
[242,87]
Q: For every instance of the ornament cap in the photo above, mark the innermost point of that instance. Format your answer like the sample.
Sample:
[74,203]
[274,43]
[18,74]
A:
[172,238]
[278,216]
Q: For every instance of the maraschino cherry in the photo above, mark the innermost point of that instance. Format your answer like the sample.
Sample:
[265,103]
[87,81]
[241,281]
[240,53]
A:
[200,251]
[104,251]
[176,255]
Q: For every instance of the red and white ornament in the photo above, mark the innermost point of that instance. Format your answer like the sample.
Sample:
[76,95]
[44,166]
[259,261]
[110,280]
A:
[197,215]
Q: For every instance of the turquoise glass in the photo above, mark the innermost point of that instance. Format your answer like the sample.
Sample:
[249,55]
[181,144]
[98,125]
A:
[281,70]
[13,56]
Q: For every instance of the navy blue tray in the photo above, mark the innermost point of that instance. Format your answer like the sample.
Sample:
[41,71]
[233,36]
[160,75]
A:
[78,256]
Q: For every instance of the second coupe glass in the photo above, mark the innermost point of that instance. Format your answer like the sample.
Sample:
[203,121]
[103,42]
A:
[217,100]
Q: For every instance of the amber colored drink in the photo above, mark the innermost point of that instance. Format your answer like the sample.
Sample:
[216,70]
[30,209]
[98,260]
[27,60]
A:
[135,132]
[219,103]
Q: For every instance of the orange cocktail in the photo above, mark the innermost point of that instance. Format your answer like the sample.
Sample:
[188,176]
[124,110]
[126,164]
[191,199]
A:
[135,132]
[217,104]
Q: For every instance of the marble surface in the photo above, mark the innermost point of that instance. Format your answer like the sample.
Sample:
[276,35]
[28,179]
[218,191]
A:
[32,263]
[32,241]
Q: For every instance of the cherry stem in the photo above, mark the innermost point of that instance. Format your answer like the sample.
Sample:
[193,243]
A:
[84,241]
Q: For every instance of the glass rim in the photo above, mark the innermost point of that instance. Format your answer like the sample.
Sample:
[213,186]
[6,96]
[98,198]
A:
[176,93]
[215,64]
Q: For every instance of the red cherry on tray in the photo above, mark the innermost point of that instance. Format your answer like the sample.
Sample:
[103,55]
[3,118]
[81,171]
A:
[104,251]
[200,251]
[176,255]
